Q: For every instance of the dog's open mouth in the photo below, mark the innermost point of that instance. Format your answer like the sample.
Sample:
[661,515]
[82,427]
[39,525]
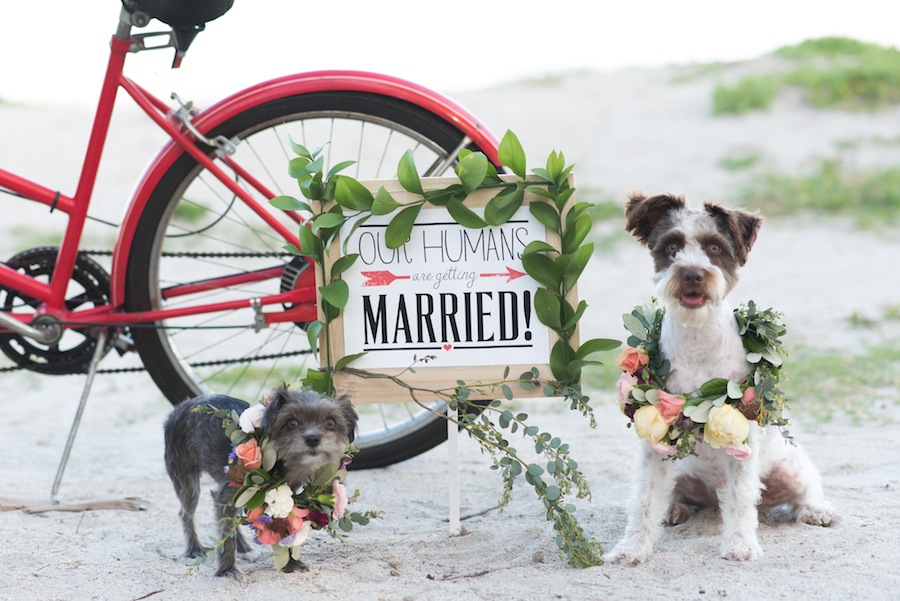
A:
[692,300]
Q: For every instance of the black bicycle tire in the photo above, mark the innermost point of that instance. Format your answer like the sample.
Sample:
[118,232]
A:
[149,341]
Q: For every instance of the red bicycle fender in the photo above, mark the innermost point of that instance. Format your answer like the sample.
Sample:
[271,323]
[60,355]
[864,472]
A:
[290,85]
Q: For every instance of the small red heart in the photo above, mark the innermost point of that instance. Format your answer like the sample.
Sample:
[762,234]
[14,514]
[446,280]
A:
[447,347]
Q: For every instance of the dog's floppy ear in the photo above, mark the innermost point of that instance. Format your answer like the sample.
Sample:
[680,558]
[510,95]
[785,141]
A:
[740,225]
[277,399]
[643,214]
[350,416]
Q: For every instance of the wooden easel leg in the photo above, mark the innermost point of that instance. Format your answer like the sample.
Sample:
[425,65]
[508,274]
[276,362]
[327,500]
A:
[453,469]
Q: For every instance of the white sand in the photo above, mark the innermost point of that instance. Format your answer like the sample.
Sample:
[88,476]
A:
[624,130]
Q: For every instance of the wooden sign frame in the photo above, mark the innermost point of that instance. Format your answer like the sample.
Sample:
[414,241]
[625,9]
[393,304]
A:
[423,376]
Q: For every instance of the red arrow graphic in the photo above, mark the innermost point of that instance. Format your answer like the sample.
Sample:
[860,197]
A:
[511,274]
[381,278]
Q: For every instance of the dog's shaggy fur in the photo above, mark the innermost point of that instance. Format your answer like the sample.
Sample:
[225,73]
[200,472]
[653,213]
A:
[697,254]
[308,430]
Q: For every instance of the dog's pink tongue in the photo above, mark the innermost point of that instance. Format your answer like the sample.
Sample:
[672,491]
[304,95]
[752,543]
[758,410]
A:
[692,300]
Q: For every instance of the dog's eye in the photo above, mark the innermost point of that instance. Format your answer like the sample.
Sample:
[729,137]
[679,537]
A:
[671,249]
[330,424]
[293,423]
[713,249]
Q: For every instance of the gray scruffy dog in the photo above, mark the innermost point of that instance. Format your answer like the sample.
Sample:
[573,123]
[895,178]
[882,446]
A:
[307,428]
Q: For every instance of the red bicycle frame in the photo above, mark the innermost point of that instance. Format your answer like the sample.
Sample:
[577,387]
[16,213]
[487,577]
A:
[52,295]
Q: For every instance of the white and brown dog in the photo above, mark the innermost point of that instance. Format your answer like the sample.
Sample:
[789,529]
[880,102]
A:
[697,254]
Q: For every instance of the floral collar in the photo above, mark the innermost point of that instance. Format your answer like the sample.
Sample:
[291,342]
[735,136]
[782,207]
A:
[279,516]
[720,411]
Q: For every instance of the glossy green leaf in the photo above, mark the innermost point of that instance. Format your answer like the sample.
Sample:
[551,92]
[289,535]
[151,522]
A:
[512,154]
[336,293]
[327,220]
[596,345]
[471,171]
[577,264]
[384,203]
[538,246]
[351,194]
[408,175]
[312,334]
[298,168]
[310,245]
[547,308]
[400,227]
[542,269]
[347,360]
[343,264]
[546,214]
[502,207]
[289,203]
[576,233]
[338,168]
[464,216]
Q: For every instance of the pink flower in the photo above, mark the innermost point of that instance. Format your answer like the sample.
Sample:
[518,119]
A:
[623,387]
[249,453]
[749,395]
[632,359]
[739,452]
[296,519]
[340,499]
[664,449]
[669,406]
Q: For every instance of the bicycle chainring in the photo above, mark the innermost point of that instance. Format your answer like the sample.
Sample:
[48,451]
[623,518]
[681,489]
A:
[72,353]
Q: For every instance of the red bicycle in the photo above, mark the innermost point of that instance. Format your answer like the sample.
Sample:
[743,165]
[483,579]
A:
[198,282]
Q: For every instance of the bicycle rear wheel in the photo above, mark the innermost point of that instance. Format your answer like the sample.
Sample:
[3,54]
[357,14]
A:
[193,229]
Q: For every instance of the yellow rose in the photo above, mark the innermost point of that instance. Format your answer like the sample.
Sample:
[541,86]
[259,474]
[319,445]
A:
[649,424]
[726,426]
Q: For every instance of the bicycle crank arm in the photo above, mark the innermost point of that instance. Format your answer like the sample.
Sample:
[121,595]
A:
[47,334]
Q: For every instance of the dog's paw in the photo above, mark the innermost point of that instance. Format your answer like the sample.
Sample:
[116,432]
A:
[741,550]
[295,565]
[626,557]
[229,572]
[679,513]
[816,516]
[195,552]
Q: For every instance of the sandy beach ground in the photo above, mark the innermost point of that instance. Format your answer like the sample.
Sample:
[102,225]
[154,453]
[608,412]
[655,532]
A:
[626,130]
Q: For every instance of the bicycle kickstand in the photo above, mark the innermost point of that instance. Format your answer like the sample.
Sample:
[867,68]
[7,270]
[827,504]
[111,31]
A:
[92,371]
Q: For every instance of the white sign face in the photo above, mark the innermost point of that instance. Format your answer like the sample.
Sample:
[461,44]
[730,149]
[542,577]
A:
[459,295]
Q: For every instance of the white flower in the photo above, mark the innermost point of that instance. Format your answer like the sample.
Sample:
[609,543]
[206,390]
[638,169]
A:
[279,501]
[251,418]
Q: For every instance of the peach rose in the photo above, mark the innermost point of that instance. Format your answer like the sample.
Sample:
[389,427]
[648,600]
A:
[632,359]
[249,453]
[669,406]
[726,426]
[649,424]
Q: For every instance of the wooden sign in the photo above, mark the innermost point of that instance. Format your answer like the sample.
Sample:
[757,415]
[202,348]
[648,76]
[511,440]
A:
[454,295]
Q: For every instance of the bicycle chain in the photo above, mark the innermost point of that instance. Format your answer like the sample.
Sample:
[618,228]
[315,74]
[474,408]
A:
[130,370]
[205,255]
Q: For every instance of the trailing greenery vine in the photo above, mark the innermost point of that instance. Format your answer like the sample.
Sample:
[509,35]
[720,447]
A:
[334,199]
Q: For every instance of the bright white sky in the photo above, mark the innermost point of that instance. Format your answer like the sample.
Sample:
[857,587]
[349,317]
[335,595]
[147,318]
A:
[54,51]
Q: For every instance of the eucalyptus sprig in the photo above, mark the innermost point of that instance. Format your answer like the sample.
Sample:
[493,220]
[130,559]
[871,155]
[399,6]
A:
[333,200]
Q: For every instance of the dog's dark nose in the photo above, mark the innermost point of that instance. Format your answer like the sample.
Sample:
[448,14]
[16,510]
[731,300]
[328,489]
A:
[312,440]
[692,276]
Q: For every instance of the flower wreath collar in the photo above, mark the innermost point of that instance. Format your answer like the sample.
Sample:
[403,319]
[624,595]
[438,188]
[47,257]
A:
[720,411]
[279,516]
